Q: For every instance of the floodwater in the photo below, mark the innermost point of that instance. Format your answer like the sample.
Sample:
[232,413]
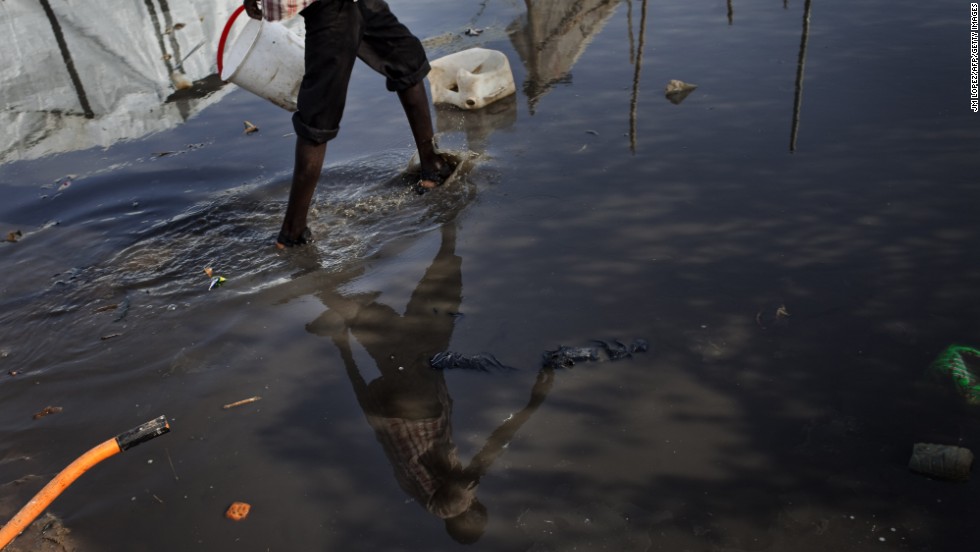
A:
[796,239]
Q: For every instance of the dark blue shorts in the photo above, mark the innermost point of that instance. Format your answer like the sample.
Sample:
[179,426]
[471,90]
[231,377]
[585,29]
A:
[337,32]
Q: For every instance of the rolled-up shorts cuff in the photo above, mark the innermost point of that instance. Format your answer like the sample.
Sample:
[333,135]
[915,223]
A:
[408,81]
[316,135]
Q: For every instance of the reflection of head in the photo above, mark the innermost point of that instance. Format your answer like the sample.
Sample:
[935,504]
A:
[467,528]
[453,497]
[455,501]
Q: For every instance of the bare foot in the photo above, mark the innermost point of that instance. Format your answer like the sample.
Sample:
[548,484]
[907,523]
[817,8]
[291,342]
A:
[434,174]
[284,240]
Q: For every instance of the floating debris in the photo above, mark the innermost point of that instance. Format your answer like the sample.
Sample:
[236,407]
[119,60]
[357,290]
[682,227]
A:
[952,363]
[170,460]
[441,41]
[242,402]
[772,317]
[110,336]
[47,533]
[250,128]
[473,32]
[563,357]
[123,310]
[180,80]
[46,411]
[566,357]
[216,281]
[677,90]
[15,236]
[941,461]
[482,362]
[238,511]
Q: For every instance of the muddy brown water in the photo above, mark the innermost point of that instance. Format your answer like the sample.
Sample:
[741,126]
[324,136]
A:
[796,239]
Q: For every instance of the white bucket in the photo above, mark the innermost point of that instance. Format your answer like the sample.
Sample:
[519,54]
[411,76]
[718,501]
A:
[267,60]
[471,79]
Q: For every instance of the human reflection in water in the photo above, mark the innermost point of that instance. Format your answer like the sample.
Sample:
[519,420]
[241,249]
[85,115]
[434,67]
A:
[409,406]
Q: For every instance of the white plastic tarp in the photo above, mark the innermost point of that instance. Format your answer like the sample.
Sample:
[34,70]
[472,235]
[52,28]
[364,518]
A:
[77,74]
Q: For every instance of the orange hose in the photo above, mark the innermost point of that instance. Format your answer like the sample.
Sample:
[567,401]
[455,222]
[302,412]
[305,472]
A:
[46,496]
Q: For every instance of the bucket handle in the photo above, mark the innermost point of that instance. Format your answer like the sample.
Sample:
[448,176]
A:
[224,36]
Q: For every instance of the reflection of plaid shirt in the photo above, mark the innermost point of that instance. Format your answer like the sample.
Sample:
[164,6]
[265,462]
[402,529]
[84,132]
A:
[421,452]
[412,447]
[274,10]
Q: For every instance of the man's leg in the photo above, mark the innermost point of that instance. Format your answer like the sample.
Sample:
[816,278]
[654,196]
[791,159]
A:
[306,173]
[391,49]
[416,105]
[333,29]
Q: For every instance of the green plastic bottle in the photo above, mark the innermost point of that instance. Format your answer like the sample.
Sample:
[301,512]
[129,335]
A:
[952,363]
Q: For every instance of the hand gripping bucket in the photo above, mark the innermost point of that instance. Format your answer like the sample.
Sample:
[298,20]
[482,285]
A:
[266,59]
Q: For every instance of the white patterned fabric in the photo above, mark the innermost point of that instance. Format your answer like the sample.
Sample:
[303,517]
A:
[277,10]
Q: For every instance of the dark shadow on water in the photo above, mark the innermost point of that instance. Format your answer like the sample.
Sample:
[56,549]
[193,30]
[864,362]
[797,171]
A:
[405,401]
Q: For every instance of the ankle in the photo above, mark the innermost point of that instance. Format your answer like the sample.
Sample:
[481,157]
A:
[292,230]
[287,239]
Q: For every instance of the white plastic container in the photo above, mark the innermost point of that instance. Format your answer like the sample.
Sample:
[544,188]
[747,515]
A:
[267,60]
[471,79]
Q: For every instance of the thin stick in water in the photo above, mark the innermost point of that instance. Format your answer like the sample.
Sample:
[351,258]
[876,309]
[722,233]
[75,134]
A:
[241,402]
[171,464]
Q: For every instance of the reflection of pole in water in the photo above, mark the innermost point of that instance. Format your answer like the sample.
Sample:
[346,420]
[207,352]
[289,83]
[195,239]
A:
[629,23]
[551,37]
[798,96]
[168,28]
[636,75]
[731,12]
[69,63]
[161,30]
